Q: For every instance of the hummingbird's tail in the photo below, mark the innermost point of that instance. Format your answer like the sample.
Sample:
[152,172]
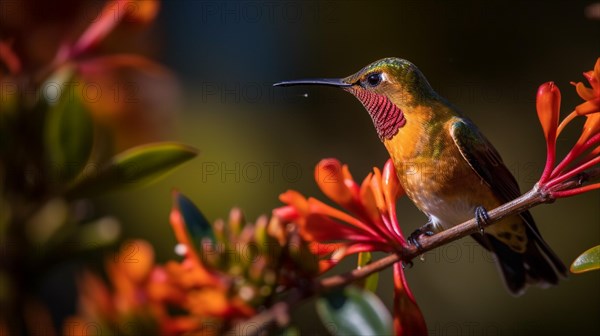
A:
[538,265]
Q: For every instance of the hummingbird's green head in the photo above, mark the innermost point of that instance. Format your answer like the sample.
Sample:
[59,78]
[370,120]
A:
[396,78]
[387,89]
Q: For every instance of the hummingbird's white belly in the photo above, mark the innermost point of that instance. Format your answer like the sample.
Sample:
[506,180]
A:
[444,215]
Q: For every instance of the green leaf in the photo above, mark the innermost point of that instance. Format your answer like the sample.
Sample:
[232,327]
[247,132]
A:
[197,225]
[135,167]
[353,311]
[587,261]
[68,129]
[288,331]
[370,283]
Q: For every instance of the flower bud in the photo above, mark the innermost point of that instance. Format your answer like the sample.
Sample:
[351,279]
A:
[548,109]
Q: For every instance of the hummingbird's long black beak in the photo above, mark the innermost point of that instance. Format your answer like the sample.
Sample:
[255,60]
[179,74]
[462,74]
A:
[337,82]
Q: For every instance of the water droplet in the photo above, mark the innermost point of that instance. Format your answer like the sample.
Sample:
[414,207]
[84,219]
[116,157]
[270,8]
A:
[180,249]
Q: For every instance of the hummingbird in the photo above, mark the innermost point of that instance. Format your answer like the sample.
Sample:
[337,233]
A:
[448,168]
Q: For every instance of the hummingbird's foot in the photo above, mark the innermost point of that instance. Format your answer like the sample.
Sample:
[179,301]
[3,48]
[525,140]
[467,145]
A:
[481,218]
[426,230]
[406,265]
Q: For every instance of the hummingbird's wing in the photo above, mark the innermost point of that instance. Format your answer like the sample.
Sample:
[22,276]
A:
[483,158]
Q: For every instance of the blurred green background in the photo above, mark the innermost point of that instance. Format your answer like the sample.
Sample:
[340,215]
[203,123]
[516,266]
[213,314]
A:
[256,141]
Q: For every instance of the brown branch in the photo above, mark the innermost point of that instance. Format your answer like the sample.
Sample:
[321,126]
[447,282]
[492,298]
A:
[535,196]
[524,202]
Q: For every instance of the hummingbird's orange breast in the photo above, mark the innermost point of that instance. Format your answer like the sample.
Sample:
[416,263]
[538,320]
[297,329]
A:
[432,170]
[439,180]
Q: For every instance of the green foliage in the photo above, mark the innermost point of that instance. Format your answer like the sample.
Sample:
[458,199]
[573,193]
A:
[55,148]
[587,261]
[353,311]
[289,331]
[257,260]
[68,132]
[370,282]
[137,166]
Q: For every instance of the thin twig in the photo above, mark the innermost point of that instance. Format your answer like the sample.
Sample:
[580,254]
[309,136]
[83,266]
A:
[524,202]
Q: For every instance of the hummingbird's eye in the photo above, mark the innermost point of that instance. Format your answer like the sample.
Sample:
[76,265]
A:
[374,79]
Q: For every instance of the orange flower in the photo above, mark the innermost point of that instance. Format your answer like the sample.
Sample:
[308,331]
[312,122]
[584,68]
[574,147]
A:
[408,319]
[586,151]
[548,109]
[142,293]
[142,97]
[137,299]
[114,12]
[372,226]
[591,108]
[590,95]
[143,94]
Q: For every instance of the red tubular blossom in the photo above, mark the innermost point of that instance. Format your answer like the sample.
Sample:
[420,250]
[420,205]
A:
[584,153]
[392,190]
[590,129]
[590,95]
[370,226]
[112,14]
[370,223]
[408,319]
[336,182]
[548,109]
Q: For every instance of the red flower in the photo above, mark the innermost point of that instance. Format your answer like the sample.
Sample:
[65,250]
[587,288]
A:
[143,93]
[548,109]
[590,95]
[371,225]
[586,151]
[113,13]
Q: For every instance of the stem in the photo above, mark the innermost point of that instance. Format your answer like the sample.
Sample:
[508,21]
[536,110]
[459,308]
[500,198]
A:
[572,155]
[576,191]
[526,201]
[595,152]
[558,181]
[550,159]
[565,121]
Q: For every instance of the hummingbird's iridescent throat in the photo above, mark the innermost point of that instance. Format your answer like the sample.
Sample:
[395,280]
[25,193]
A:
[387,117]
